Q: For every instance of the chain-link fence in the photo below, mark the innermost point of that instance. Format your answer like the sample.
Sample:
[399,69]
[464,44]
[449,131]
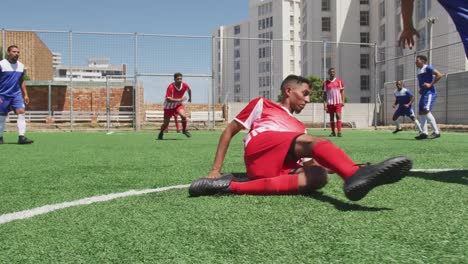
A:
[83,80]
[451,88]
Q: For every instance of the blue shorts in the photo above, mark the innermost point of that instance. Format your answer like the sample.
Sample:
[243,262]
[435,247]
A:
[11,103]
[403,111]
[426,102]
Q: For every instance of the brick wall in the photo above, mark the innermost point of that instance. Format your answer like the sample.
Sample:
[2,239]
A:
[84,98]
[34,54]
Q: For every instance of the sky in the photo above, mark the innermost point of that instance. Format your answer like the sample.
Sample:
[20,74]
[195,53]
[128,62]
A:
[176,17]
[157,55]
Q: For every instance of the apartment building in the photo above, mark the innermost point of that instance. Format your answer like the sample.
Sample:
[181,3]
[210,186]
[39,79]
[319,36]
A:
[252,57]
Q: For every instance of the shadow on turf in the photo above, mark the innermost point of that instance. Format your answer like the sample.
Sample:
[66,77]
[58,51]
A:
[455,176]
[344,206]
[339,205]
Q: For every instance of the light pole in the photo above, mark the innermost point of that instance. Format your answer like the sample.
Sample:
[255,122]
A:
[430,21]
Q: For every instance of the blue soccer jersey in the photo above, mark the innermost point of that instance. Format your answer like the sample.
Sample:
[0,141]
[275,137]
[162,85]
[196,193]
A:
[458,10]
[10,76]
[426,75]
[403,96]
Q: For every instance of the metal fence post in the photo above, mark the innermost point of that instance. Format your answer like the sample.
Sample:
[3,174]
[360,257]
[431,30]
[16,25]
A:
[71,78]
[136,96]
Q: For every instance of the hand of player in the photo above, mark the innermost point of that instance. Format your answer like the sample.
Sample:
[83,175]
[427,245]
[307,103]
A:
[1,101]
[393,106]
[26,99]
[342,105]
[183,98]
[190,100]
[214,174]
[406,37]
[407,105]
[427,85]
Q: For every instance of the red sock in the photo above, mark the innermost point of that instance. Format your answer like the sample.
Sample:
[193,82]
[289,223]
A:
[283,184]
[177,124]
[332,125]
[332,157]
[338,124]
[184,124]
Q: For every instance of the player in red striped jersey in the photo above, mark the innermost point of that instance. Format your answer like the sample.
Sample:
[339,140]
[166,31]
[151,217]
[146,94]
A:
[333,100]
[175,96]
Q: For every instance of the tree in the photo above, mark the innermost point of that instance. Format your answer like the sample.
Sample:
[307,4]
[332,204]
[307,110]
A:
[316,93]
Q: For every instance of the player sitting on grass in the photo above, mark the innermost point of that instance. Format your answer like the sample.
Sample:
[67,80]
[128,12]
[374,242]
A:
[404,99]
[277,141]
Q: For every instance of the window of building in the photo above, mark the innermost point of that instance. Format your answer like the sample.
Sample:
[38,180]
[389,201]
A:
[365,100]
[420,9]
[236,42]
[382,33]
[236,53]
[237,30]
[291,34]
[292,66]
[236,76]
[237,88]
[326,24]
[364,2]
[364,18]
[400,72]
[382,9]
[382,79]
[421,43]
[292,50]
[365,82]
[291,21]
[364,61]
[382,54]
[365,38]
[325,5]
[236,65]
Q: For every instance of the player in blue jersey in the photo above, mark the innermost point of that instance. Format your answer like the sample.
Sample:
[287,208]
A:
[404,99]
[427,77]
[12,92]
[457,9]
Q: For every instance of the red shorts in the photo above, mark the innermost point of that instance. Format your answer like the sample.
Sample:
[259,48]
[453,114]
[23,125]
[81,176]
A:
[334,108]
[168,113]
[265,154]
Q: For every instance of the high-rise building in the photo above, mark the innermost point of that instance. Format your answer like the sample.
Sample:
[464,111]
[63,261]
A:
[281,37]
[253,57]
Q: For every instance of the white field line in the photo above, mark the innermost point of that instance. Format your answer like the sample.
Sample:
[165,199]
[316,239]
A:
[95,199]
[6,218]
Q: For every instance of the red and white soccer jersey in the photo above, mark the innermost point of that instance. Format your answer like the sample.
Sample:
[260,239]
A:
[272,131]
[262,115]
[174,92]
[333,89]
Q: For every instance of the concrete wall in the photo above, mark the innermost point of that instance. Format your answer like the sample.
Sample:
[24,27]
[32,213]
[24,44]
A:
[361,115]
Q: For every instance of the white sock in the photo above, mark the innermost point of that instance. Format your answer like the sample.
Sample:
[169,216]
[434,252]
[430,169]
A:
[417,125]
[397,123]
[21,123]
[2,124]
[423,123]
[432,121]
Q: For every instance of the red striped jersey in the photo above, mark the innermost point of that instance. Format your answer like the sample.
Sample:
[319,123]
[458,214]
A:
[174,92]
[333,89]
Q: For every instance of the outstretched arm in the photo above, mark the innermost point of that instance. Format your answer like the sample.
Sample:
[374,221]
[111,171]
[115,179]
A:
[231,130]
[408,32]
[189,95]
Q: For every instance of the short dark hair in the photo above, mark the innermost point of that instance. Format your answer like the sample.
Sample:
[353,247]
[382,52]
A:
[294,78]
[331,68]
[177,74]
[422,57]
[12,47]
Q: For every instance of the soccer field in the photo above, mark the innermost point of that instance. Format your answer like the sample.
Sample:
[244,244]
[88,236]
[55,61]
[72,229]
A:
[421,219]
